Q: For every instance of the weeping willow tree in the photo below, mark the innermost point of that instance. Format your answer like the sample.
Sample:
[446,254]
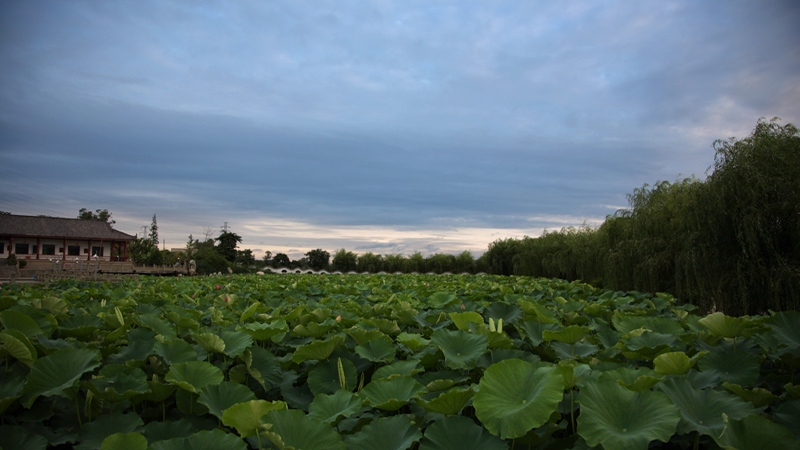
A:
[750,232]
[731,242]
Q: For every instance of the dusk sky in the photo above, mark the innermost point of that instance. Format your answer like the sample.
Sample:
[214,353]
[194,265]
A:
[383,126]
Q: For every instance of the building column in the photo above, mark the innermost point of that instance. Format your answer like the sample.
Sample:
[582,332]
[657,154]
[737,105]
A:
[64,250]
[38,247]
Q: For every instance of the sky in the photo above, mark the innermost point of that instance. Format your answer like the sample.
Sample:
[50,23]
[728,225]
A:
[383,126]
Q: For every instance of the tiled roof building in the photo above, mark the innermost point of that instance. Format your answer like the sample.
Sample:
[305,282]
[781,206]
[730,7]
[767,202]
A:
[42,237]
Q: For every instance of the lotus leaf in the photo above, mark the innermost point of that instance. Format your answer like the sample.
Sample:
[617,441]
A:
[203,440]
[786,326]
[385,433]
[246,416]
[459,433]
[500,310]
[615,417]
[319,350]
[461,349]
[463,319]
[18,438]
[293,428]
[220,397]
[193,376]
[753,433]
[377,350]
[569,335]
[263,366]
[329,408]
[94,433]
[17,320]
[124,441]
[161,431]
[392,394]
[325,377]
[729,327]
[210,342]
[175,351]
[410,367]
[450,402]
[57,372]
[759,397]
[158,325]
[236,342]
[733,366]
[514,397]
[17,345]
[440,300]
[701,410]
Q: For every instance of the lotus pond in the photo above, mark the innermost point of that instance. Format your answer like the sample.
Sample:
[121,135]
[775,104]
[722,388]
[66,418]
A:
[387,362]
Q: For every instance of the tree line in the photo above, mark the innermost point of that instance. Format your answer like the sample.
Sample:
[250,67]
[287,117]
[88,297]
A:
[730,242]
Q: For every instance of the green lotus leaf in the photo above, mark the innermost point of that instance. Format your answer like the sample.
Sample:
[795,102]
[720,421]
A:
[57,372]
[450,402]
[650,340]
[615,417]
[80,327]
[496,339]
[572,372]
[329,408]
[385,326]
[759,397]
[292,428]
[786,326]
[463,319]
[639,379]
[536,312]
[18,320]
[672,363]
[568,335]
[203,440]
[324,379]
[754,433]
[273,331]
[158,325]
[263,366]
[701,410]
[94,433]
[193,376]
[222,396]
[249,312]
[161,431]
[625,324]
[18,438]
[362,336]
[117,382]
[792,389]
[577,350]
[210,342]
[385,433]
[141,345]
[379,349]
[392,394]
[788,415]
[236,342]
[440,300]
[534,330]
[124,441]
[514,397]
[314,329]
[461,349]
[319,350]
[246,416]
[459,433]
[499,310]
[414,342]
[11,384]
[19,346]
[175,351]
[726,326]
[409,367]
[735,367]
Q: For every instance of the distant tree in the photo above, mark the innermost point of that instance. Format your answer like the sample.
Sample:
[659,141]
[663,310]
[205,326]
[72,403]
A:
[101,215]
[370,262]
[415,263]
[154,231]
[464,262]
[318,259]
[394,263]
[344,261]
[245,258]
[144,251]
[281,260]
[267,257]
[227,245]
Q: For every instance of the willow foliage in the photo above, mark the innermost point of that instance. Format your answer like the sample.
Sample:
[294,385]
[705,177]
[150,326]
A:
[731,242]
